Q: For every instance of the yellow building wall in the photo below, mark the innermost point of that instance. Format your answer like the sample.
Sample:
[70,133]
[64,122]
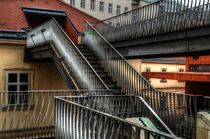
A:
[140,66]
[44,75]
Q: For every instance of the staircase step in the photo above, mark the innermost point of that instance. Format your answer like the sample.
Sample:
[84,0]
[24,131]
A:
[93,60]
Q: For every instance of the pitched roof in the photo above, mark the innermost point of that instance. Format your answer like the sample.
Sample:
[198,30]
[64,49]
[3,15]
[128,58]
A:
[13,18]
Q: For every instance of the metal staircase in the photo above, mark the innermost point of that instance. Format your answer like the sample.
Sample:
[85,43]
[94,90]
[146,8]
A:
[95,63]
[72,65]
[180,119]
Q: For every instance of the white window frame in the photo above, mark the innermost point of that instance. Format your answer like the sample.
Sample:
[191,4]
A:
[92,5]
[118,9]
[110,8]
[164,69]
[18,83]
[101,6]
[148,69]
[72,2]
[83,4]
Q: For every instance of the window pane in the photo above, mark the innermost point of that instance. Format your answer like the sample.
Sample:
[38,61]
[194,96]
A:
[23,87]
[12,77]
[24,77]
[12,96]
[12,88]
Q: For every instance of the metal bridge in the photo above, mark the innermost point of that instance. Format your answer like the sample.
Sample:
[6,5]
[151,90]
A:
[167,27]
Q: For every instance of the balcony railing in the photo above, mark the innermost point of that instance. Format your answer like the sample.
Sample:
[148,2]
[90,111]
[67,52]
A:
[114,117]
[161,17]
[30,114]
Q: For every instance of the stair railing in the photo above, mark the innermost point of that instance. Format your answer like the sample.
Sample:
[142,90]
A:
[171,107]
[75,64]
[130,81]
[102,117]
[160,17]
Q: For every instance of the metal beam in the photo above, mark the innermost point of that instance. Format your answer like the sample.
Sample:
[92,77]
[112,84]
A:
[186,42]
[182,76]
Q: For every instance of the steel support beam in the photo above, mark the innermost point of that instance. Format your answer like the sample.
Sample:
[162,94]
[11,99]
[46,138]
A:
[194,41]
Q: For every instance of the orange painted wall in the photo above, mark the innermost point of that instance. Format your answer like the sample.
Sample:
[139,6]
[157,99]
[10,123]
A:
[198,60]
[70,31]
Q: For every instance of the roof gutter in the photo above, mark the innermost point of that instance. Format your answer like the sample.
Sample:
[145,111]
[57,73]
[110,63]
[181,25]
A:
[13,34]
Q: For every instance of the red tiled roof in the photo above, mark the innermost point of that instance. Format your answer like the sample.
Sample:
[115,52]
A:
[13,18]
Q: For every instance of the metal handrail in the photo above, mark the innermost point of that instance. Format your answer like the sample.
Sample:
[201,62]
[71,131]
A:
[30,114]
[90,28]
[155,115]
[51,33]
[131,82]
[161,17]
[85,114]
[125,13]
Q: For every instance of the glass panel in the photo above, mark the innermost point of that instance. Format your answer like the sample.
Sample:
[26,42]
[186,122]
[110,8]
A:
[23,96]
[12,77]
[23,77]
[23,87]
[12,96]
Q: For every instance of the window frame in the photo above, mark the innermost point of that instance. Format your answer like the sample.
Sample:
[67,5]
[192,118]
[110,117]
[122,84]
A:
[118,9]
[92,5]
[163,69]
[147,69]
[83,4]
[18,84]
[126,9]
[110,8]
[101,6]
[72,2]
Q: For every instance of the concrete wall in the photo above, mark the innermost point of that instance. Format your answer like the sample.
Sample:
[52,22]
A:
[203,126]
[44,75]
[140,66]
[102,15]
[157,67]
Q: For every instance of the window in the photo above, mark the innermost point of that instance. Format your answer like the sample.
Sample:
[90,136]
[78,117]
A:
[72,2]
[110,8]
[200,68]
[92,5]
[17,81]
[163,69]
[147,69]
[163,81]
[181,70]
[82,4]
[101,7]
[126,9]
[118,9]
